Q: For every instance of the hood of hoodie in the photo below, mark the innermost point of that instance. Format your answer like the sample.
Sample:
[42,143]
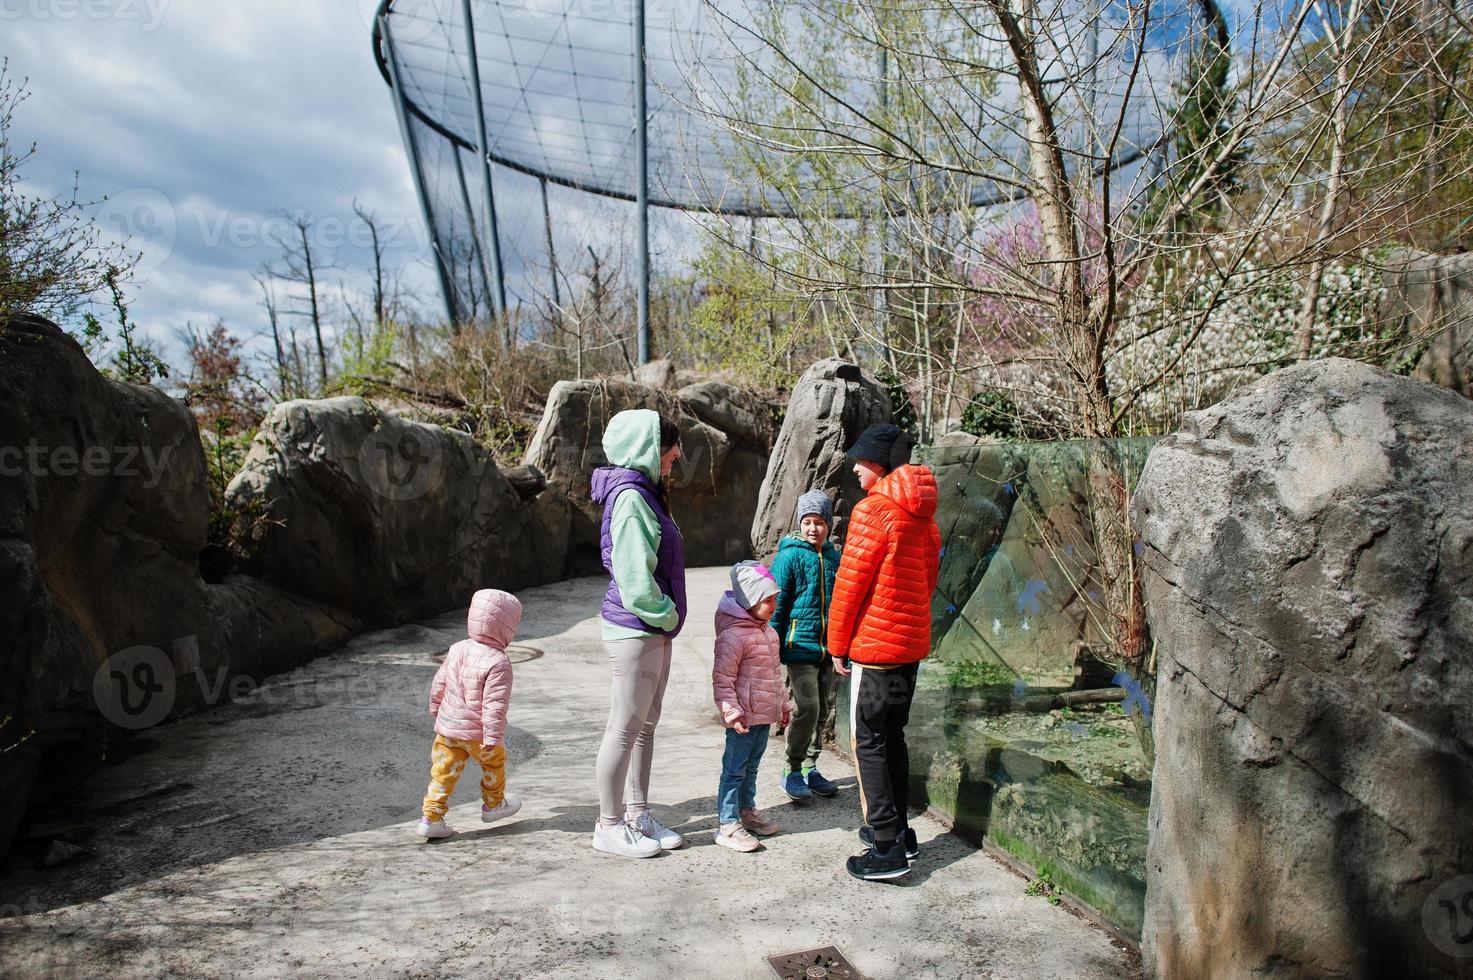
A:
[730,613]
[632,440]
[494,618]
[912,488]
[607,481]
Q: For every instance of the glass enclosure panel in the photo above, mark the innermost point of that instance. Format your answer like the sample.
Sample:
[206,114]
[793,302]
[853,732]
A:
[1029,727]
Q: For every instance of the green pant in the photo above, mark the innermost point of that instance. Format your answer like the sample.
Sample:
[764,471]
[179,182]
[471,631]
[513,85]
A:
[813,690]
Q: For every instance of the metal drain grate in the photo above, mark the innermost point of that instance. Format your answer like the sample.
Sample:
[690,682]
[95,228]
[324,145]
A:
[813,964]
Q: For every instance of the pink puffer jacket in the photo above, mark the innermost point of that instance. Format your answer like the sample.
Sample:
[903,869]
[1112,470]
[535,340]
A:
[473,686]
[747,677]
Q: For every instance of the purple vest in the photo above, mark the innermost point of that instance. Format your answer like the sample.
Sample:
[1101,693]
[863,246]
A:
[608,482]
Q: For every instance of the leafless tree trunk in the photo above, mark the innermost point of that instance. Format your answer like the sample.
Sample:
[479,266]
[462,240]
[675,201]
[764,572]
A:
[1341,40]
[299,265]
[284,381]
[370,219]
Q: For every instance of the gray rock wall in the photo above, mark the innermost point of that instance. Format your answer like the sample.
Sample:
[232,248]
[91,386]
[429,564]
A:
[1309,581]
[389,519]
[1433,295]
[725,437]
[103,514]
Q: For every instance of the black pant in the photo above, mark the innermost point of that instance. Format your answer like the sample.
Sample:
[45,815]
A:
[881,707]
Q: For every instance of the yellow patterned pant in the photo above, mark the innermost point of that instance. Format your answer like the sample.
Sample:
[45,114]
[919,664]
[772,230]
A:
[447,762]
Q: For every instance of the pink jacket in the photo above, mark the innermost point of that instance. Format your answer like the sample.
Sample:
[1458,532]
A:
[747,678]
[473,686]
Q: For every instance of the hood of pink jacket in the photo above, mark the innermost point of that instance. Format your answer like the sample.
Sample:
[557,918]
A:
[730,613]
[494,618]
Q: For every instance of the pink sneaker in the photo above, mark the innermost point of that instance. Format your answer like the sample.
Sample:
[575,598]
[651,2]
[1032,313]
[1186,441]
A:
[736,837]
[754,821]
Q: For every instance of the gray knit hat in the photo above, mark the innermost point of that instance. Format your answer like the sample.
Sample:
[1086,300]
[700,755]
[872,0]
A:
[816,502]
[751,582]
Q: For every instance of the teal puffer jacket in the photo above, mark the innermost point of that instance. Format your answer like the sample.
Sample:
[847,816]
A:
[805,575]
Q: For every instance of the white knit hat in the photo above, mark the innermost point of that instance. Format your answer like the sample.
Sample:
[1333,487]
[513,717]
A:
[751,582]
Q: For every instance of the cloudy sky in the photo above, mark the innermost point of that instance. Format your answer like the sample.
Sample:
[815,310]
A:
[202,121]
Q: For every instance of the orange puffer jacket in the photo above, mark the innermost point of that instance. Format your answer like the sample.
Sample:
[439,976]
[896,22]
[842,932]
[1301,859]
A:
[881,610]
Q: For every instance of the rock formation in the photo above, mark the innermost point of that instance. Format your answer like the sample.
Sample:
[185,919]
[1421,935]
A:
[1308,551]
[830,406]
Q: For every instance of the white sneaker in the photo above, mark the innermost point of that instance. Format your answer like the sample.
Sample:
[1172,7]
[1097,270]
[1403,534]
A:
[646,824]
[624,841]
[509,806]
[430,829]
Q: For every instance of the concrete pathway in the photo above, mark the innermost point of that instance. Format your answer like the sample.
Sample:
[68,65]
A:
[272,836]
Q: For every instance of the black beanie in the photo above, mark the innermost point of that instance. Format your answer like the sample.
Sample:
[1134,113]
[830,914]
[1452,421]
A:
[886,444]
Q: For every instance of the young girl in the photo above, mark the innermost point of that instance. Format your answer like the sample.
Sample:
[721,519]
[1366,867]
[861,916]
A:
[804,568]
[746,680]
[469,700]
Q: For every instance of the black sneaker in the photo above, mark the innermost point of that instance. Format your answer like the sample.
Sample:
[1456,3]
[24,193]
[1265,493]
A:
[912,846]
[877,865]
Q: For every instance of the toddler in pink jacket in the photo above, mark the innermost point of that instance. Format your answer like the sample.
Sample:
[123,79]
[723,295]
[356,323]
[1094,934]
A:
[747,681]
[469,699]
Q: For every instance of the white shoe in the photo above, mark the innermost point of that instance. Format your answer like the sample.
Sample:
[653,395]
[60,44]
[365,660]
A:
[509,806]
[624,841]
[431,829]
[647,825]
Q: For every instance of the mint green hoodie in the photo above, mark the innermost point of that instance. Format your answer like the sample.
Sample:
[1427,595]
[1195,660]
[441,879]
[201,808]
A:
[632,440]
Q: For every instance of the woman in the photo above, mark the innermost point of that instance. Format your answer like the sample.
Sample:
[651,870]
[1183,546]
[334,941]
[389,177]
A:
[643,612]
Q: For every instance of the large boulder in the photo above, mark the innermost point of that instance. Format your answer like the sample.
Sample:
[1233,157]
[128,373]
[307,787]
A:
[713,486]
[739,413]
[658,373]
[388,519]
[830,406]
[1308,553]
[106,623]
[1431,297]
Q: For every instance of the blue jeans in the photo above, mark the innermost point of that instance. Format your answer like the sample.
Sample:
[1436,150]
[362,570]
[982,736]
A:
[738,788]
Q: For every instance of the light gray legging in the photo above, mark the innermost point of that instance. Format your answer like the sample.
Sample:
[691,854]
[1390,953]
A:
[641,671]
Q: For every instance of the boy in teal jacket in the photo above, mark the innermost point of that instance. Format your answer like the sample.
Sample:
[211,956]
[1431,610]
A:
[804,568]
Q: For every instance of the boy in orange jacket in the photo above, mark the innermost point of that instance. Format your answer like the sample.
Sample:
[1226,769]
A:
[880,623]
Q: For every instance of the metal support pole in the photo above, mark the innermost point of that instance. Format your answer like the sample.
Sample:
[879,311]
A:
[557,299]
[642,201]
[470,218]
[493,235]
[412,146]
